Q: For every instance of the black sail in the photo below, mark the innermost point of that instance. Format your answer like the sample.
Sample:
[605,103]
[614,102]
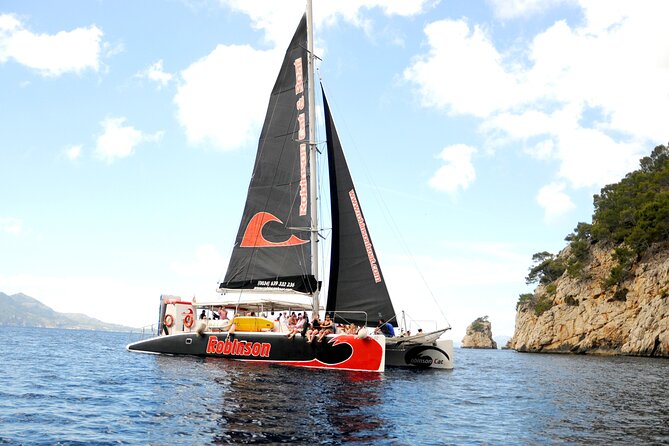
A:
[356,282]
[272,249]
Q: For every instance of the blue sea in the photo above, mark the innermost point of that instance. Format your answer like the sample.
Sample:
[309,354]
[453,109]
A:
[62,387]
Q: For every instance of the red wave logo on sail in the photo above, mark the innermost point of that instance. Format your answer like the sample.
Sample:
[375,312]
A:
[253,237]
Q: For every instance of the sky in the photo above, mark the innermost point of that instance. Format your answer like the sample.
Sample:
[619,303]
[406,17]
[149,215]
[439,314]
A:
[477,133]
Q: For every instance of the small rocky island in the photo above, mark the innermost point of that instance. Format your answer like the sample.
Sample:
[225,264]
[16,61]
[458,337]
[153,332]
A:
[607,291]
[479,335]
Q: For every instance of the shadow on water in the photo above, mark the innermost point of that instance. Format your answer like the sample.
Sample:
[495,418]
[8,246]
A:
[218,401]
[265,403]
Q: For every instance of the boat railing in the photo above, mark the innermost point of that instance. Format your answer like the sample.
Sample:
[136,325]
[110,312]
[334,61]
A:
[424,325]
[339,313]
[145,332]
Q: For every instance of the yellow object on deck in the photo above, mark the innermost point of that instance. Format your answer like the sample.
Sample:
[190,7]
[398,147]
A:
[252,323]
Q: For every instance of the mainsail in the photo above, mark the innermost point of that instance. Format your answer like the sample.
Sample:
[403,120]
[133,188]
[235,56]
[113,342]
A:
[272,249]
[356,282]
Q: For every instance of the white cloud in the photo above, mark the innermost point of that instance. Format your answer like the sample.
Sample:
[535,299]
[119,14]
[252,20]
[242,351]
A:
[50,54]
[157,74]
[207,263]
[119,140]
[457,171]
[470,279]
[592,158]
[278,19]
[509,9]
[119,300]
[593,96]
[554,201]
[542,150]
[11,225]
[73,152]
[223,97]
[100,297]
[463,71]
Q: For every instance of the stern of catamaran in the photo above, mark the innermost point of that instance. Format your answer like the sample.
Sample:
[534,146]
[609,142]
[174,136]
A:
[175,315]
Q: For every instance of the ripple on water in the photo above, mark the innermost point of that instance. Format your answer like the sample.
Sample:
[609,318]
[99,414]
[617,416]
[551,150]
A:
[89,390]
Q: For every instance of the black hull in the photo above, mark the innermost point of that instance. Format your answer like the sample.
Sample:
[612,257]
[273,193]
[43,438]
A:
[433,355]
[345,352]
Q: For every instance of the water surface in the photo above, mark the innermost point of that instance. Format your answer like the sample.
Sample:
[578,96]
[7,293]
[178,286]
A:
[82,387]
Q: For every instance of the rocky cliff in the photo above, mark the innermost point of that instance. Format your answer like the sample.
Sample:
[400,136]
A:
[584,315]
[479,335]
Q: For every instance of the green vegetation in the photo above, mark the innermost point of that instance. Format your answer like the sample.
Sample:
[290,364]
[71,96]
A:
[548,268]
[544,303]
[579,249]
[619,273]
[478,326]
[538,303]
[620,295]
[635,211]
[630,215]
[569,300]
[524,299]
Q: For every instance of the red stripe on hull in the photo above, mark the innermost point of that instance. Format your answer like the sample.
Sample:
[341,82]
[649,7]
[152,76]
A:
[367,355]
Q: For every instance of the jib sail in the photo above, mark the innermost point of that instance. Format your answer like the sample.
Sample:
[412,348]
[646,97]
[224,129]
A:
[356,282]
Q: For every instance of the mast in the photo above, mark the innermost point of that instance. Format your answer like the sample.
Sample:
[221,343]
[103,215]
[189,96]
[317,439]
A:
[313,187]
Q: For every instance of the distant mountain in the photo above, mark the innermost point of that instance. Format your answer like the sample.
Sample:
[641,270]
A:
[25,311]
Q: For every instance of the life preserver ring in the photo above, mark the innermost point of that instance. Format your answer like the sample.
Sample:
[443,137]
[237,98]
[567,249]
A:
[168,320]
[188,321]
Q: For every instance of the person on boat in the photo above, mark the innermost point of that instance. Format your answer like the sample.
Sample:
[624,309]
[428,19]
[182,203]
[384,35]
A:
[223,313]
[283,321]
[315,328]
[326,327]
[306,325]
[292,321]
[351,329]
[203,315]
[297,328]
[386,328]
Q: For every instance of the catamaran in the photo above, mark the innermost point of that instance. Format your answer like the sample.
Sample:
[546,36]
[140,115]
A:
[274,265]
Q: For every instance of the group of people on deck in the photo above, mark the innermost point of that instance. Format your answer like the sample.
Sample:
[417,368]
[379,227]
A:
[295,324]
[316,329]
[217,313]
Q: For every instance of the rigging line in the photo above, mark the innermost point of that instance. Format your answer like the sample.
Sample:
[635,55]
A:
[409,254]
[313,54]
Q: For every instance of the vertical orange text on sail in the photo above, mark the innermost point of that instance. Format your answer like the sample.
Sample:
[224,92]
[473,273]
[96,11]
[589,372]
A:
[301,134]
[365,237]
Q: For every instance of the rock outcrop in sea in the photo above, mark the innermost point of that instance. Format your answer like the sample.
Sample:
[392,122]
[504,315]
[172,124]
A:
[584,315]
[479,335]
